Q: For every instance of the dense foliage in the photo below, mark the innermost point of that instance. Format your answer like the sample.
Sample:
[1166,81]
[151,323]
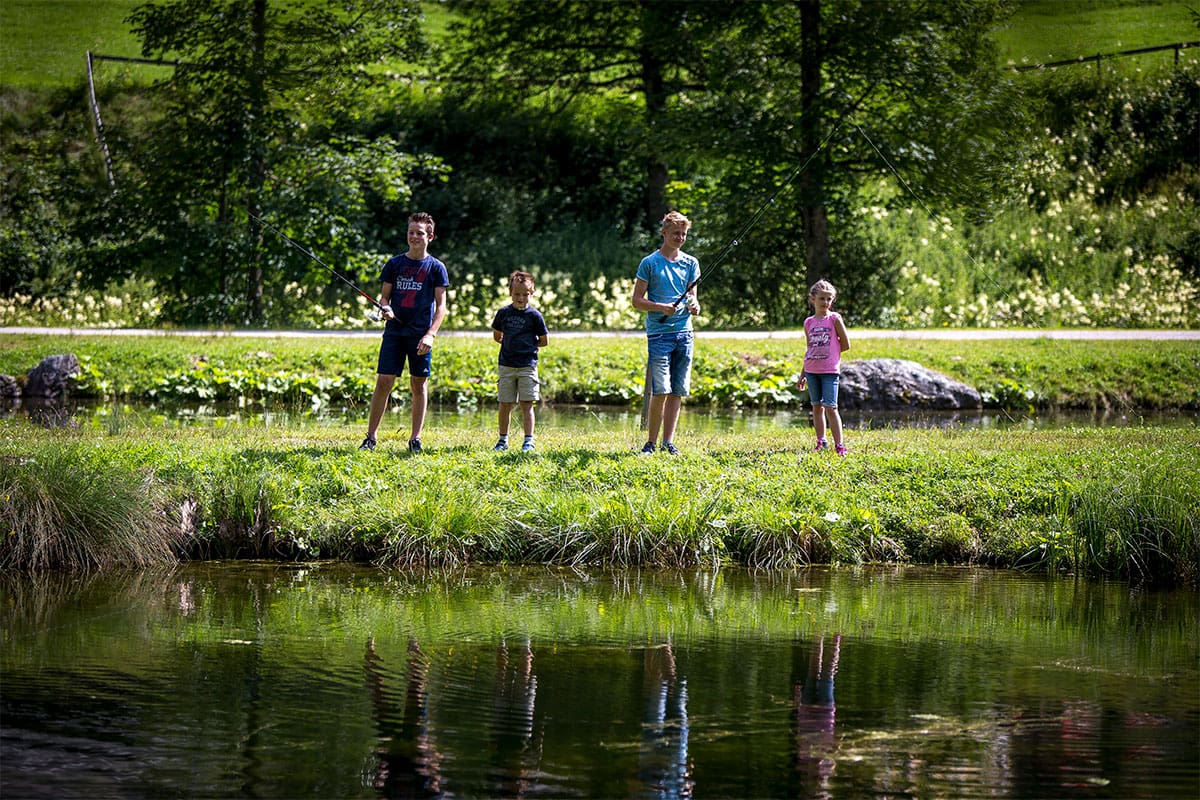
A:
[941,190]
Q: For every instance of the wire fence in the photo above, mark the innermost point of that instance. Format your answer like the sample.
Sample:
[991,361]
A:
[1178,47]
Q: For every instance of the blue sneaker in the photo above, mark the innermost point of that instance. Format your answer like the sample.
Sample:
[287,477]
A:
[414,445]
[670,448]
[647,449]
[527,447]
[368,444]
[501,446]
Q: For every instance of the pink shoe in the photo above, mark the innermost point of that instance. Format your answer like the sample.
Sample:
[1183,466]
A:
[821,446]
[840,449]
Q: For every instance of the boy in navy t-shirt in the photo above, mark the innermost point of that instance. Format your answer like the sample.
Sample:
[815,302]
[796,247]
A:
[413,298]
[520,330]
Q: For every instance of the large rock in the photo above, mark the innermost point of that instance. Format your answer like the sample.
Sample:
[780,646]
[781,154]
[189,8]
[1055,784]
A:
[52,377]
[893,384]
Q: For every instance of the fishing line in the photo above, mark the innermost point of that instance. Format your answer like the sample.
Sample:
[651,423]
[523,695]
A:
[929,213]
[724,252]
[372,316]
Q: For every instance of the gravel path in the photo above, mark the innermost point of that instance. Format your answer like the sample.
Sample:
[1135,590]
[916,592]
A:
[855,333]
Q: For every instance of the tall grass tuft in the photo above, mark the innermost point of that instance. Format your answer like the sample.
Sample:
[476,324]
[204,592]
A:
[66,510]
[1145,529]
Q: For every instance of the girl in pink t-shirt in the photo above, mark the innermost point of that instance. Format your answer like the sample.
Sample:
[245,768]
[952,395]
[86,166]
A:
[825,336]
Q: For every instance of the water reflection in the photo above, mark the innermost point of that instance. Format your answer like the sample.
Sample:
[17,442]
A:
[816,714]
[341,681]
[116,417]
[409,763]
[663,767]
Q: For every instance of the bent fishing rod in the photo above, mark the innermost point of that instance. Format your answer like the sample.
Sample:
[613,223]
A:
[373,316]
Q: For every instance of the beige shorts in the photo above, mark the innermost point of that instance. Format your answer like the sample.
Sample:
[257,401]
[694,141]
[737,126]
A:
[518,384]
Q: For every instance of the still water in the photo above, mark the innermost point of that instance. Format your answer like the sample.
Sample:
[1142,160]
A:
[694,419]
[336,681]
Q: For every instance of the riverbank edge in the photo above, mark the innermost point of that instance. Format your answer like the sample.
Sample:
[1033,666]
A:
[1116,503]
[1023,374]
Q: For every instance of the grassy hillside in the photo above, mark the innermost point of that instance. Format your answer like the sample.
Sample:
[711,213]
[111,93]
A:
[44,41]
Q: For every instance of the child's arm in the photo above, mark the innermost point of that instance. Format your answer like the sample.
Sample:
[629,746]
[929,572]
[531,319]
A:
[839,327]
[543,340]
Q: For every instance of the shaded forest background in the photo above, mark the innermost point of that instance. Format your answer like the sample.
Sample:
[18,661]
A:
[887,146]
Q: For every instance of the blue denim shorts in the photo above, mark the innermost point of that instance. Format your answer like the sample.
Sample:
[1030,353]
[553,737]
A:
[822,389]
[670,360]
[395,350]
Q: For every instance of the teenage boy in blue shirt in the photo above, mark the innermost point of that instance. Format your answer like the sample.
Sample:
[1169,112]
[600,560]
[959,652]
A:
[663,278]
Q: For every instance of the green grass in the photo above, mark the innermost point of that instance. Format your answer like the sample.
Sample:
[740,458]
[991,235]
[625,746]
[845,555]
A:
[1043,500]
[43,41]
[1018,373]
[1056,30]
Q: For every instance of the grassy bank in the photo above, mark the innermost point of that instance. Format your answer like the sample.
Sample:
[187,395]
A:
[1100,502]
[1016,373]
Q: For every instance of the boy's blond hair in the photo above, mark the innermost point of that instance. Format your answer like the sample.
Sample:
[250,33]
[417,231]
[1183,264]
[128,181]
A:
[674,218]
[822,286]
[523,278]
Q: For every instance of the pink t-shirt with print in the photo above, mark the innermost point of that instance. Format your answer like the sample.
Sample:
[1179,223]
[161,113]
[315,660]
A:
[824,355]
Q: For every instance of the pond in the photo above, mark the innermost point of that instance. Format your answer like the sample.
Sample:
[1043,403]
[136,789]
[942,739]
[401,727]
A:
[331,680]
[693,419]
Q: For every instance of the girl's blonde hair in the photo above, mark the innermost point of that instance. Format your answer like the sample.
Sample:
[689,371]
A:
[822,286]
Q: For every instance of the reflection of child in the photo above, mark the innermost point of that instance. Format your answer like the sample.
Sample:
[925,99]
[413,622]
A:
[520,330]
[816,713]
[826,340]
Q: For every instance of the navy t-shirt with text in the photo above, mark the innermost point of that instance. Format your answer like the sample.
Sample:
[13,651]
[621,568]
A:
[522,327]
[413,300]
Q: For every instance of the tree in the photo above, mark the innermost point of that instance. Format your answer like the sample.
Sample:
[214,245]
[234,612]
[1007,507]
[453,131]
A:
[557,50]
[839,86]
[732,96]
[259,90]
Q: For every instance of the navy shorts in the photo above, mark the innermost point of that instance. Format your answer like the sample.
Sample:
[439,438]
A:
[395,350]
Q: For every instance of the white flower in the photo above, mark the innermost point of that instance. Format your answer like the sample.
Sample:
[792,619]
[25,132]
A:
[831,516]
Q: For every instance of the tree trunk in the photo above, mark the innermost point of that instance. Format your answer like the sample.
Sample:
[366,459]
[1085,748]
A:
[258,160]
[812,180]
[655,23]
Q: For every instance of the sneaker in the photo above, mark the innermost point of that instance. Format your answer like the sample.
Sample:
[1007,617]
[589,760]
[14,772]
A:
[670,448]
[527,447]
[368,444]
[821,446]
[501,445]
[414,445]
[647,449]
[841,450]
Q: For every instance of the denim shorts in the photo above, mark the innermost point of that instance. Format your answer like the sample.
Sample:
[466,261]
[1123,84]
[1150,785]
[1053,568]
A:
[822,388]
[670,361]
[395,350]
[518,383]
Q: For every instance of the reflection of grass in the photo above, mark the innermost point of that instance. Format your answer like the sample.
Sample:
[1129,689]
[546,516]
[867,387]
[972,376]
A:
[1117,502]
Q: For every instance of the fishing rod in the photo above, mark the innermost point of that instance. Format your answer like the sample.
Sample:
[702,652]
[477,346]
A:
[373,316]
